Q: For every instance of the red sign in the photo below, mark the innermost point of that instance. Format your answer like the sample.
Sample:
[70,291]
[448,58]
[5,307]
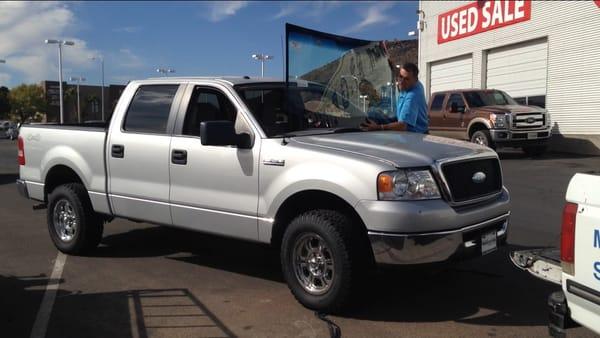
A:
[481,16]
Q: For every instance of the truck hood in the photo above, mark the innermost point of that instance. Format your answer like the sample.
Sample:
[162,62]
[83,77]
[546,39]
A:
[510,109]
[402,149]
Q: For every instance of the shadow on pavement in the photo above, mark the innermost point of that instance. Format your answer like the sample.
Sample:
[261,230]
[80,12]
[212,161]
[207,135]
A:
[252,259]
[483,291]
[135,313]
[8,178]
[517,155]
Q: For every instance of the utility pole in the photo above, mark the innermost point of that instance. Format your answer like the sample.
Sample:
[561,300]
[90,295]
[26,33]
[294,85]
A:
[60,43]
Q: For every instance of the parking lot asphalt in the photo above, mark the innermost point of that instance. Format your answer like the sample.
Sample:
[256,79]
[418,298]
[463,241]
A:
[151,281]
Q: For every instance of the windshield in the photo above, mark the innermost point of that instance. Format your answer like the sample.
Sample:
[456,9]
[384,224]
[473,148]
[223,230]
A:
[307,108]
[488,98]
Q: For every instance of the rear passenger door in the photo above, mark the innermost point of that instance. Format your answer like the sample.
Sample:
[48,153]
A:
[213,188]
[138,155]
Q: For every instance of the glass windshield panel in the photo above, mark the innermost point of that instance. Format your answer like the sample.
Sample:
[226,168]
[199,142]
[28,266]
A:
[488,98]
[339,77]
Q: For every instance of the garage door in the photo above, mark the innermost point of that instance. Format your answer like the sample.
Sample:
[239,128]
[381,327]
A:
[520,70]
[455,73]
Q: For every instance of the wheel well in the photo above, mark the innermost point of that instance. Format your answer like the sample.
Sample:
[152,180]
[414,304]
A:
[311,200]
[59,175]
[476,127]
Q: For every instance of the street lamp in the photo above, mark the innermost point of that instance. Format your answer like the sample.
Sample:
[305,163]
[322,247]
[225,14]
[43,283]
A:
[60,43]
[165,71]
[79,80]
[364,98]
[262,58]
[101,58]
[2,61]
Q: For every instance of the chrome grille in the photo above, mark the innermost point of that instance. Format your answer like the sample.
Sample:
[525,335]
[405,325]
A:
[529,120]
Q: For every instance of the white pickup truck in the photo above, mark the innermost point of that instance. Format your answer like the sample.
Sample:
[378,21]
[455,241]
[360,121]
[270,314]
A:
[577,265]
[238,157]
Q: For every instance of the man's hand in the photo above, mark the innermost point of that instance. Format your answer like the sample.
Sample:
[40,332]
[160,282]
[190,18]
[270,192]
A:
[369,125]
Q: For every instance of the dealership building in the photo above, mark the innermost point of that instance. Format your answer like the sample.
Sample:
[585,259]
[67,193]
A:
[543,53]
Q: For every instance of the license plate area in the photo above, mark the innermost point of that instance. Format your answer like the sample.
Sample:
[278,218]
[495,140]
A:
[489,242]
[532,135]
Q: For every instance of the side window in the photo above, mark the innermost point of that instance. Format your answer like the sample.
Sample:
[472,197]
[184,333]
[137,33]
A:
[455,103]
[539,101]
[149,109]
[207,104]
[438,101]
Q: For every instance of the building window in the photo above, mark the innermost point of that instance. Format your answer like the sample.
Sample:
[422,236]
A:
[538,100]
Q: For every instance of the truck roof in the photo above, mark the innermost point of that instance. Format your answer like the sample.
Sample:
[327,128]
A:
[231,80]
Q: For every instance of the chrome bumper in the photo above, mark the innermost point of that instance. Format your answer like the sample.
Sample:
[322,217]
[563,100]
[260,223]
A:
[524,136]
[22,188]
[421,248]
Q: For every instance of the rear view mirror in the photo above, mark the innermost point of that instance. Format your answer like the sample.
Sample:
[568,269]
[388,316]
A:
[222,133]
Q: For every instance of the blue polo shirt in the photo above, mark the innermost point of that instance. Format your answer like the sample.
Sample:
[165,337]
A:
[412,109]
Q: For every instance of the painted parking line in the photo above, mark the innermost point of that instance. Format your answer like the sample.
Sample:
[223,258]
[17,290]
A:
[43,316]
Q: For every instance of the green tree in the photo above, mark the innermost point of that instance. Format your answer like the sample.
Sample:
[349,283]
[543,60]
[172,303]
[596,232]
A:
[26,100]
[4,103]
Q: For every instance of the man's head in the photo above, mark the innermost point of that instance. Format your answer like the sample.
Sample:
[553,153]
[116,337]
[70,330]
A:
[408,76]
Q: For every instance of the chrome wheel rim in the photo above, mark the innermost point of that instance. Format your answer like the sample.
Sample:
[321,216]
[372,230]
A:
[65,221]
[481,140]
[313,264]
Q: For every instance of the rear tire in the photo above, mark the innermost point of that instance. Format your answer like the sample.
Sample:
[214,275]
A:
[534,151]
[73,225]
[483,137]
[319,259]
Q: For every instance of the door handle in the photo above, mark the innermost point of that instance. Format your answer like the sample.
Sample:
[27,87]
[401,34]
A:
[117,150]
[179,156]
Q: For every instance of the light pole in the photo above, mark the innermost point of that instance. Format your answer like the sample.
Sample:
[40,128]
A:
[262,58]
[165,71]
[2,61]
[60,43]
[79,80]
[364,99]
[101,58]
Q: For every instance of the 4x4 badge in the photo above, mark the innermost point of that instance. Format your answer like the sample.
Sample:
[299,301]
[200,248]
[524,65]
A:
[478,177]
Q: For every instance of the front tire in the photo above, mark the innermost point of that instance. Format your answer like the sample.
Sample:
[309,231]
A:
[483,137]
[73,225]
[318,259]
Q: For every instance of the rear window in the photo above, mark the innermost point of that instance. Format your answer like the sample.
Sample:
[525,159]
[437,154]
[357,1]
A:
[438,101]
[150,108]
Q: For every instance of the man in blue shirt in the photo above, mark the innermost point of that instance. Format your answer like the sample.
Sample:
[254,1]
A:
[412,106]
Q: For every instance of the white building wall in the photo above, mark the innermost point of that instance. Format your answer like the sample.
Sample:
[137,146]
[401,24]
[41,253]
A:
[572,29]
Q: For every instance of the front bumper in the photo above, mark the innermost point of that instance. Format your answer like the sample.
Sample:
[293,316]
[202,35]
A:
[22,188]
[519,138]
[409,249]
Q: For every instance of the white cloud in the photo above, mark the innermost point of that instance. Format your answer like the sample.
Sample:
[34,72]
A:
[309,9]
[25,25]
[374,15]
[128,29]
[221,10]
[128,59]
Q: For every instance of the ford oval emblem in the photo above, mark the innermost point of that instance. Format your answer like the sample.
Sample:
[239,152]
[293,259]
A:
[530,120]
[478,177]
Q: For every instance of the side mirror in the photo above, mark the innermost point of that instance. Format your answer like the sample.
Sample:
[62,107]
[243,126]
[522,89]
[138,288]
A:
[222,133]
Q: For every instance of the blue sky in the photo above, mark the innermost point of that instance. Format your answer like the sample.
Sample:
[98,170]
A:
[194,38]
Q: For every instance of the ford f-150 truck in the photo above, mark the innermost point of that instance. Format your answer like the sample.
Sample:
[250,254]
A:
[238,157]
[576,265]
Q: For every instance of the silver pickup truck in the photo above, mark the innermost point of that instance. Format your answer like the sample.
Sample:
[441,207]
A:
[262,161]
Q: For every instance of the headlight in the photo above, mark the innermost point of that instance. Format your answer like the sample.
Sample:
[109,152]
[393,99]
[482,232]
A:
[407,185]
[499,120]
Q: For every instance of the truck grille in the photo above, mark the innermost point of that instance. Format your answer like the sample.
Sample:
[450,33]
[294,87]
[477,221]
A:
[466,182]
[529,121]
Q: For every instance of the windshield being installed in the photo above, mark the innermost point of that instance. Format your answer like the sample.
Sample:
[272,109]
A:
[308,108]
[488,98]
